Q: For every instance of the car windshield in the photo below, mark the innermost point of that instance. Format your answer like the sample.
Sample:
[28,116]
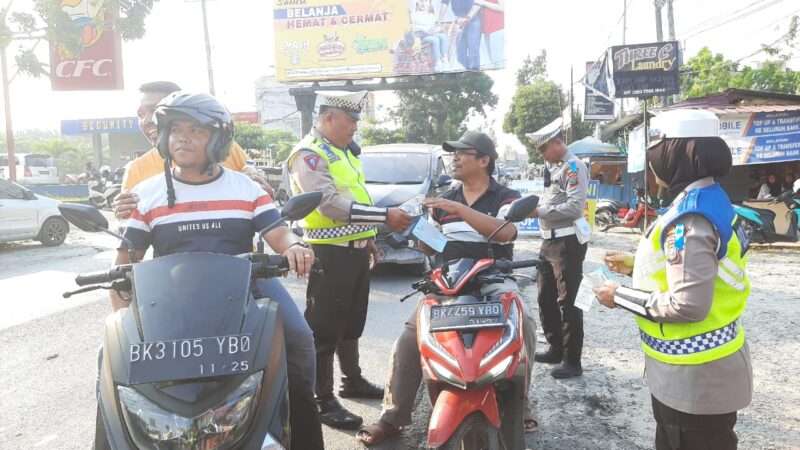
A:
[395,167]
[39,161]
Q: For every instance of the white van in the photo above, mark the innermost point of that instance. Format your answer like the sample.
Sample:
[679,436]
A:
[32,168]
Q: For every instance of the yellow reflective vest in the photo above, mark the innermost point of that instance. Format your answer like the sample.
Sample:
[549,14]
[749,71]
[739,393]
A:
[345,169]
[719,334]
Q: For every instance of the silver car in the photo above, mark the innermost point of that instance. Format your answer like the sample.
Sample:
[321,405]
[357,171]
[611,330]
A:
[25,215]
[32,168]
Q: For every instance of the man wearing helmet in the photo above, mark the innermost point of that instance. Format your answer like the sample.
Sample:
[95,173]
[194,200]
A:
[208,208]
[151,163]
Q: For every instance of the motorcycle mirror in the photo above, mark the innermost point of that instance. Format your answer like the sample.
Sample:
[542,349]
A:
[522,208]
[444,180]
[301,205]
[87,218]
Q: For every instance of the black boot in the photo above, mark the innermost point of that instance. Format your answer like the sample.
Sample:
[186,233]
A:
[359,388]
[551,356]
[567,370]
[333,414]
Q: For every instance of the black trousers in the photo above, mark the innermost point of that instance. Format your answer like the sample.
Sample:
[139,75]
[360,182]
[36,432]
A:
[336,310]
[559,279]
[676,430]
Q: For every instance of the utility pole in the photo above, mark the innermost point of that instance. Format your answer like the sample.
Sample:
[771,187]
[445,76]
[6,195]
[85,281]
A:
[670,20]
[12,160]
[624,19]
[571,99]
[208,50]
[659,32]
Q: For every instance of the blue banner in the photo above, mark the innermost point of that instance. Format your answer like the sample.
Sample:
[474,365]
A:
[758,138]
[100,126]
[526,187]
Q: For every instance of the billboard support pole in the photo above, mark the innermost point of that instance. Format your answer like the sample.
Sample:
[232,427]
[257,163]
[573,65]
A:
[305,102]
[646,143]
[12,167]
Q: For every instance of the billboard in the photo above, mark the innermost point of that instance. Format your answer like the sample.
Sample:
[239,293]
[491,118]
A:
[646,70]
[253,117]
[764,137]
[596,107]
[98,67]
[317,40]
[530,227]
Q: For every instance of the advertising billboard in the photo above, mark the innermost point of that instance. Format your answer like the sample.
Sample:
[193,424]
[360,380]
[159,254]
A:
[595,106]
[318,40]
[646,70]
[764,137]
[98,67]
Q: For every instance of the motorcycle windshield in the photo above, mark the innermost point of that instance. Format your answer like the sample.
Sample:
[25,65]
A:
[191,295]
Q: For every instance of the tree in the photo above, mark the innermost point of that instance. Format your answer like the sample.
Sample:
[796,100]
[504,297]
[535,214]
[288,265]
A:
[532,107]
[254,137]
[532,69]
[708,73]
[250,136]
[379,135]
[434,115]
[280,142]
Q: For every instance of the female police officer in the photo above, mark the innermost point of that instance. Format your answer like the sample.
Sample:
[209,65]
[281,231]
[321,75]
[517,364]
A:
[689,290]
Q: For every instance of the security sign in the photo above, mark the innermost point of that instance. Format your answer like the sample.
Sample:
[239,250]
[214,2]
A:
[98,66]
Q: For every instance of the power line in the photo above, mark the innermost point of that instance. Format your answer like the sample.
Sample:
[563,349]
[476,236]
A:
[613,29]
[716,19]
[741,16]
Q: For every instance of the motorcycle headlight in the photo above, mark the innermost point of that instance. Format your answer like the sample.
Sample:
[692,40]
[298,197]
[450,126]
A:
[152,427]
[509,335]
[429,340]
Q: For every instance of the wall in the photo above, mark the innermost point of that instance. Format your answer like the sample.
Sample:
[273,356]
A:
[125,148]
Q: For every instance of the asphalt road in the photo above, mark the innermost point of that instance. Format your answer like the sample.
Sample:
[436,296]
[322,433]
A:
[48,351]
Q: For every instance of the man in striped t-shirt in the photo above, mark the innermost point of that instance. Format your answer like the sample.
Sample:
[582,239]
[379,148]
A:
[198,206]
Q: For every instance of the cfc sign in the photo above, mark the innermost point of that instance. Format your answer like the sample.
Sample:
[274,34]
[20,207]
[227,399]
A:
[98,66]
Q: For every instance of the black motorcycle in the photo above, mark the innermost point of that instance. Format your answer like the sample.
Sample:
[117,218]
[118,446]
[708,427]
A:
[195,362]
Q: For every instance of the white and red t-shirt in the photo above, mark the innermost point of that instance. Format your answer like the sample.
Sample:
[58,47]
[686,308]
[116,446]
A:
[220,215]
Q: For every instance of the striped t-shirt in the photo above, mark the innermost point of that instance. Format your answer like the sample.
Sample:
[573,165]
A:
[220,215]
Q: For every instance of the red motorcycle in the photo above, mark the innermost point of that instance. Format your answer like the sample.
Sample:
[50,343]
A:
[472,351]
[613,213]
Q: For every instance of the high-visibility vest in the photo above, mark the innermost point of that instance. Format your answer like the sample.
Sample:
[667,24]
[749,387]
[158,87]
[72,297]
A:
[719,334]
[345,169]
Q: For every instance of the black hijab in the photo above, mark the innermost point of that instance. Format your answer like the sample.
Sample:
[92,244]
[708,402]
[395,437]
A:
[681,161]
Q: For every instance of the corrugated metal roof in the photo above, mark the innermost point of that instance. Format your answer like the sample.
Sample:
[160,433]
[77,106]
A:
[733,109]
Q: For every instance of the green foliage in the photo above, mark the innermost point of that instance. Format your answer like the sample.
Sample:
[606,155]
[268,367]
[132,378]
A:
[436,114]
[532,107]
[254,137]
[532,69]
[48,21]
[708,73]
[378,136]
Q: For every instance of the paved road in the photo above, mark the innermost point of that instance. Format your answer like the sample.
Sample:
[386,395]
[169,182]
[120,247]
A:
[48,347]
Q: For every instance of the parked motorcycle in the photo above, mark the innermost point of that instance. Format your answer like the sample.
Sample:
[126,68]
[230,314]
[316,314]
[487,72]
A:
[614,213]
[195,361]
[473,352]
[759,224]
[105,188]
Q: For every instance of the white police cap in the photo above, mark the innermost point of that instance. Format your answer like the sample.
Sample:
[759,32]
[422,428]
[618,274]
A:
[349,102]
[547,132]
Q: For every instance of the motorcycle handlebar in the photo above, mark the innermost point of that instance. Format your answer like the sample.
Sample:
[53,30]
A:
[507,266]
[106,276]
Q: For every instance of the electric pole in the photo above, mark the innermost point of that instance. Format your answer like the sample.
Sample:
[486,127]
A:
[12,164]
[670,20]
[659,33]
[208,50]
[624,19]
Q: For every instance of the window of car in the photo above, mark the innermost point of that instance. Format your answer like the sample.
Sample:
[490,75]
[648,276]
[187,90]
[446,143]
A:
[10,191]
[440,170]
[39,160]
[396,167]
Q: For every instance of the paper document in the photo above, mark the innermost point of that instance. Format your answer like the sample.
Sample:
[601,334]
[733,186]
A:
[428,234]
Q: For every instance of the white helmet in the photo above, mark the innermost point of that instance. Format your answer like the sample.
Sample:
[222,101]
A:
[796,186]
[685,123]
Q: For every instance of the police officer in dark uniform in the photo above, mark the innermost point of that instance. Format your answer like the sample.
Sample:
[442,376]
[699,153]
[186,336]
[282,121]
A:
[563,251]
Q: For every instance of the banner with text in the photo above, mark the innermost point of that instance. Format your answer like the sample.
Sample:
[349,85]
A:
[759,138]
[98,66]
[596,107]
[317,40]
[530,227]
[645,70]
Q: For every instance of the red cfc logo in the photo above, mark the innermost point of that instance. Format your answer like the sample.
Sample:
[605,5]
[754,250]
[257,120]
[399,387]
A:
[76,68]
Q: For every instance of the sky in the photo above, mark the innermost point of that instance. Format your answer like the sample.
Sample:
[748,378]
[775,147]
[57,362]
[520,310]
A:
[572,32]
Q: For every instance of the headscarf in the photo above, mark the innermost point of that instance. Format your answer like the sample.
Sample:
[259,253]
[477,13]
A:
[680,162]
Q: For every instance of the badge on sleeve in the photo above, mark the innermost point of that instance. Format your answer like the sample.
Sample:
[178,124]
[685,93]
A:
[572,174]
[675,244]
[312,161]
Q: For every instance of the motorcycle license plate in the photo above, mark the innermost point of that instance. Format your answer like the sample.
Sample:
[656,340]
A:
[467,317]
[190,358]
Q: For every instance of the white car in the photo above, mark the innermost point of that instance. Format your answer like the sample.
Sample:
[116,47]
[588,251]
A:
[32,168]
[25,215]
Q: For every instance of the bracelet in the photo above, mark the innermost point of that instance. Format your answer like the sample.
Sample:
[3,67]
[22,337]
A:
[301,244]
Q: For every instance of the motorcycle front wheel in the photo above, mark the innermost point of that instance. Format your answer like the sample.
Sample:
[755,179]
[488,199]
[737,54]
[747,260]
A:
[605,220]
[474,433]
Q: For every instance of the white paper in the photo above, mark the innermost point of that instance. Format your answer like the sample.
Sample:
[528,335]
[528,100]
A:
[585,297]
[596,278]
[582,230]
[428,234]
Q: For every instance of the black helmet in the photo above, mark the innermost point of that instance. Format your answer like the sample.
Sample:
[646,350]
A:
[202,108]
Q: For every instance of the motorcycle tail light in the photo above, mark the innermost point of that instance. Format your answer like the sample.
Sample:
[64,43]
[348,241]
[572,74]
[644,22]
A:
[220,427]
